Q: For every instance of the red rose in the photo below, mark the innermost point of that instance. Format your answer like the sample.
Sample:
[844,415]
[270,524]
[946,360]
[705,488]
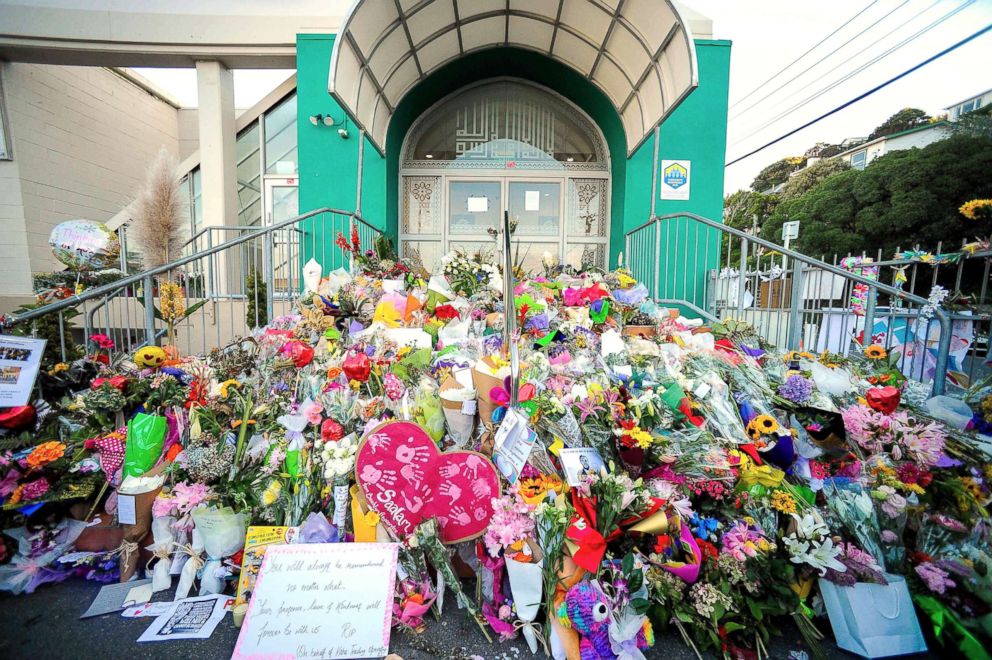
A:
[357,366]
[301,353]
[446,313]
[331,430]
[883,399]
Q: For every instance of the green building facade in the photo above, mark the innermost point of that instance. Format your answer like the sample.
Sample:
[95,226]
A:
[508,129]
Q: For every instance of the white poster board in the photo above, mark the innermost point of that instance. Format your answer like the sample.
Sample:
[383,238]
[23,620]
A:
[20,359]
[676,177]
[321,601]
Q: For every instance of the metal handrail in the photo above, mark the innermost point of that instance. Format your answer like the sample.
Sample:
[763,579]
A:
[89,294]
[942,317]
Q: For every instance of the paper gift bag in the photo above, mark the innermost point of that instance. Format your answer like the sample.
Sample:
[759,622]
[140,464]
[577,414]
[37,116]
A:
[459,405]
[137,522]
[874,620]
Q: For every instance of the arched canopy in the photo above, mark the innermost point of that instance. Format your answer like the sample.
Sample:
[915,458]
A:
[638,52]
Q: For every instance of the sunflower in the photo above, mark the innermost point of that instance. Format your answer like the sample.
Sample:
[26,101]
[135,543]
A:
[875,352]
[761,425]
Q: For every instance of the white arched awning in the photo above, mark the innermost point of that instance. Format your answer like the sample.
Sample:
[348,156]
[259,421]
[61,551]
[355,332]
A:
[640,53]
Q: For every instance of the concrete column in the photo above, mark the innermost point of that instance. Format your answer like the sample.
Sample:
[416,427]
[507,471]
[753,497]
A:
[218,159]
[219,172]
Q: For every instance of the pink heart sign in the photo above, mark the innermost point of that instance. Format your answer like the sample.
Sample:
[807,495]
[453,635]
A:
[406,480]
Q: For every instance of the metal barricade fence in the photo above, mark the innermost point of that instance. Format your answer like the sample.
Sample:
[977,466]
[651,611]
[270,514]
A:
[231,280]
[794,301]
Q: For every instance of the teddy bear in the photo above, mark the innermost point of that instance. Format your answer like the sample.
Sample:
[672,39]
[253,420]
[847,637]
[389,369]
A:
[586,609]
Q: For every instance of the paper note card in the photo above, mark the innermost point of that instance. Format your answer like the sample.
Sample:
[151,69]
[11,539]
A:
[478,204]
[113,598]
[126,514]
[532,200]
[321,600]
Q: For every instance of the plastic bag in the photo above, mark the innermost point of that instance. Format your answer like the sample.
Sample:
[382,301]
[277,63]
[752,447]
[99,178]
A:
[223,534]
[952,411]
[145,438]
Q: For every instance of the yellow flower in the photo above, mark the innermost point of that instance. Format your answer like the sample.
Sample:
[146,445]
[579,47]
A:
[783,502]
[976,209]
[225,387]
[875,352]
[271,494]
[58,368]
[914,488]
[761,425]
[170,296]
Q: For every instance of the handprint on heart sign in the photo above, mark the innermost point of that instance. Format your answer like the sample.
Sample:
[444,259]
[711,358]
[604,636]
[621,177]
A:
[405,479]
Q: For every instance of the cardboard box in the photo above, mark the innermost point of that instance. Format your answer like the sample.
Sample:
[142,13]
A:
[775,294]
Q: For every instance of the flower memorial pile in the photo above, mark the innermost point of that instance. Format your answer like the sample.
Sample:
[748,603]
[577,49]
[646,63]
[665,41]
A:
[625,472]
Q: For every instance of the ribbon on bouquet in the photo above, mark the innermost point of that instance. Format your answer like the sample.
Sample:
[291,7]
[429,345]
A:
[125,551]
[586,544]
[532,631]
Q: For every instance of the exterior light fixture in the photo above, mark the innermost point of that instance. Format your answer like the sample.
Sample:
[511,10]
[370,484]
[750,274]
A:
[317,120]
[429,155]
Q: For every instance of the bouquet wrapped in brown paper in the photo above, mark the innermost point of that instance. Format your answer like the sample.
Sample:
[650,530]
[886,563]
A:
[487,375]
[459,404]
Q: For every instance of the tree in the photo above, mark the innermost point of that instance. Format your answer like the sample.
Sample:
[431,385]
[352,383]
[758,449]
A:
[740,209]
[901,199]
[806,179]
[903,120]
[776,173]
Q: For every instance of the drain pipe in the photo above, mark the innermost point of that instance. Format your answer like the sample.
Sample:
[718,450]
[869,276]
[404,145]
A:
[361,165]
[654,171]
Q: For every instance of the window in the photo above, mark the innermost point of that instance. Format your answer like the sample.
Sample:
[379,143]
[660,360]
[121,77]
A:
[502,122]
[4,143]
[970,106]
[859,160]
[249,177]
[280,138]
[196,217]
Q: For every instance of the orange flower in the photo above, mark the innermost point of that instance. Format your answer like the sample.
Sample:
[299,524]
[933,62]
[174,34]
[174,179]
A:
[333,373]
[45,453]
[15,497]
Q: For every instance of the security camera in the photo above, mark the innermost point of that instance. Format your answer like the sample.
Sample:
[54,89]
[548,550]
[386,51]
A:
[343,132]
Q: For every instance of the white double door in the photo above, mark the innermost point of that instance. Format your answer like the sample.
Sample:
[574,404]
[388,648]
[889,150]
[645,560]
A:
[474,207]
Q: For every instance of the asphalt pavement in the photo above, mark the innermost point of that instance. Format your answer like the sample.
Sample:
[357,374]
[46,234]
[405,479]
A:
[46,624]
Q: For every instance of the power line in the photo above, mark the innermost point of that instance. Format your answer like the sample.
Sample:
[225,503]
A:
[814,64]
[861,68]
[866,94]
[818,44]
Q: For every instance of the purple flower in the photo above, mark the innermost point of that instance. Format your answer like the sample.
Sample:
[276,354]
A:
[936,579]
[796,388]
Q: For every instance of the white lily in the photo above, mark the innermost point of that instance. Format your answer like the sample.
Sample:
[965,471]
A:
[810,525]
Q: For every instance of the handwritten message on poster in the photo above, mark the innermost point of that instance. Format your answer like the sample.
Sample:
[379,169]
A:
[321,601]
